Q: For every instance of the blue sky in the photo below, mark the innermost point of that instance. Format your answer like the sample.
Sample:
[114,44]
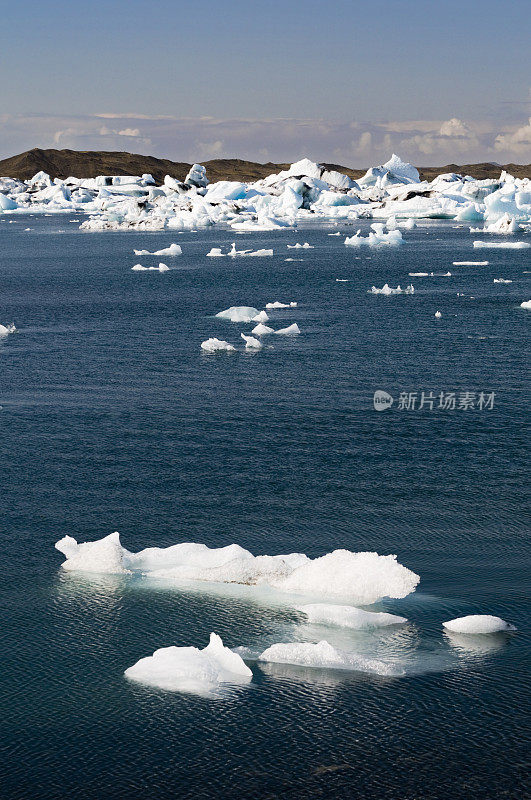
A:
[345,80]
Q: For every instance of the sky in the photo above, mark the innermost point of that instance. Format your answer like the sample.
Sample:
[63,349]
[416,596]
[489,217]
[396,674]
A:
[347,82]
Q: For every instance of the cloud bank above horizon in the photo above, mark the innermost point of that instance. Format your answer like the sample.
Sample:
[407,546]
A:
[354,144]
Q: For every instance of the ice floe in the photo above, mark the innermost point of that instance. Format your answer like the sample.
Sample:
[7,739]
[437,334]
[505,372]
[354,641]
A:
[6,329]
[262,330]
[323,655]
[277,304]
[470,263]
[364,577]
[251,343]
[478,624]
[214,345]
[172,250]
[501,280]
[261,317]
[299,246]
[291,330]
[161,268]
[437,315]
[376,237]
[526,304]
[388,290]
[348,616]
[238,313]
[216,252]
[508,245]
[189,669]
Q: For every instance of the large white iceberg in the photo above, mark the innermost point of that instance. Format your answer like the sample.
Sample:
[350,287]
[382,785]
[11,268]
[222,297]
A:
[478,624]
[363,577]
[188,669]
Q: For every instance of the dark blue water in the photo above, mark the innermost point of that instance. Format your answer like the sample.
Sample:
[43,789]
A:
[113,419]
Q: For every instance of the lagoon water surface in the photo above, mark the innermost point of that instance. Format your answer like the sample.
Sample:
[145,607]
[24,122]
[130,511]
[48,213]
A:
[113,419]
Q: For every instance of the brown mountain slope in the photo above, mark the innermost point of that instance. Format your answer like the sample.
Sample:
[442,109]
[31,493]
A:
[88,164]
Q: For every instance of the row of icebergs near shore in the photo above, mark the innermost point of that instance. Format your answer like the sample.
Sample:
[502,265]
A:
[363,577]
[305,191]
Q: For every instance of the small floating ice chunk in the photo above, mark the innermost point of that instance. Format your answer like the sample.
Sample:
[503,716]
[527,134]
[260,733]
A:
[342,280]
[338,233]
[277,304]
[6,329]
[214,345]
[349,616]
[323,656]
[161,268]
[511,245]
[188,669]
[104,555]
[238,313]
[251,342]
[261,317]
[478,623]
[470,263]
[299,246]
[262,330]
[215,252]
[259,253]
[438,315]
[291,330]
[376,237]
[501,280]
[418,274]
[172,250]
[526,304]
[388,290]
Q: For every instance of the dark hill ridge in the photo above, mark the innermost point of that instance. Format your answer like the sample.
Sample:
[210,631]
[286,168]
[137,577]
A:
[88,164]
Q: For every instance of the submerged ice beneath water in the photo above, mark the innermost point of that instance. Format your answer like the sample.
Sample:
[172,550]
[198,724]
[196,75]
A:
[349,616]
[363,577]
[322,655]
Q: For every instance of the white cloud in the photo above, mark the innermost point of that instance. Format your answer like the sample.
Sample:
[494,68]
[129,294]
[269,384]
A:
[424,142]
[517,142]
[129,132]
